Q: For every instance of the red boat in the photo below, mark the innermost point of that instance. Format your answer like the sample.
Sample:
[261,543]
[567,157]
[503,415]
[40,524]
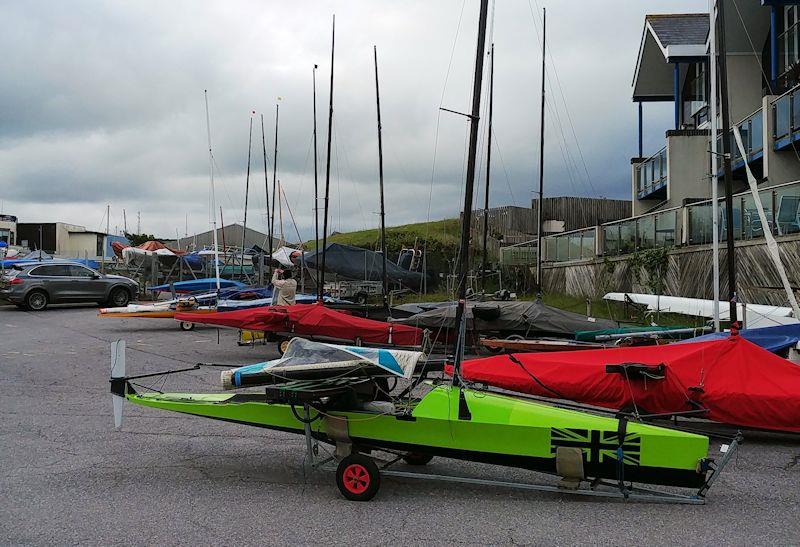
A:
[731,381]
[312,321]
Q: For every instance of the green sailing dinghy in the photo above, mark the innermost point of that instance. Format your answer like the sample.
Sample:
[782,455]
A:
[349,406]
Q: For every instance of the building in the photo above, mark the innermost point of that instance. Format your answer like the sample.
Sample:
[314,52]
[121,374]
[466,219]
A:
[66,240]
[8,229]
[763,74]
[227,236]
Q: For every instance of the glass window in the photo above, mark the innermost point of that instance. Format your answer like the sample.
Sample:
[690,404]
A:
[57,270]
[787,214]
[575,246]
[550,249]
[700,228]
[587,244]
[782,121]
[665,228]
[627,237]
[80,271]
[647,232]
[562,249]
[611,236]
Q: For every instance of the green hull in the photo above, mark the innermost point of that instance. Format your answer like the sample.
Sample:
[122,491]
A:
[501,430]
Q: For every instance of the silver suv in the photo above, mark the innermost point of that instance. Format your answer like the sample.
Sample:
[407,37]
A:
[35,285]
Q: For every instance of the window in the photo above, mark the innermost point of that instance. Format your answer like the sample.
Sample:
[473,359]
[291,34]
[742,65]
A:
[52,270]
[788,47]
[80,271]
[694,95]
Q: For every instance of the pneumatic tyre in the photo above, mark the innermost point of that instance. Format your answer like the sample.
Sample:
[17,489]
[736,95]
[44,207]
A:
[36,300]
[358,478]
[119,298]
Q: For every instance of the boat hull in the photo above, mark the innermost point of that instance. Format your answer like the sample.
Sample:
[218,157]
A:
[501,430]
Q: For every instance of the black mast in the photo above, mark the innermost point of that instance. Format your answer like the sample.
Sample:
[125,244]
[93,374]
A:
[468,194]
[274,181]
[488,170]
[539,220]
[726,158]
[328,159]
[247,185]
[318,281]
[384,281]
[266,189]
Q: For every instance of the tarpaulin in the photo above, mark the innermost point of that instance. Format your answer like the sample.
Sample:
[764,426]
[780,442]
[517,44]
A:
[734,380]
[775,339]
[312,320]
[359,264]
[524,317]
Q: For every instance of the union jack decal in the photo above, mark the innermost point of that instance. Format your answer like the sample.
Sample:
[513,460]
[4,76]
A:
[597,445]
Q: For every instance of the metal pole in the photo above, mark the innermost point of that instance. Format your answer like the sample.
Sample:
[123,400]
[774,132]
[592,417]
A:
[541,166]
[384,280]
[484,265]
[328,160]
[213,197]
[266,190]
[105,237]
[468,191]
[317,282]
[714,155]
[726,159]
[274,184]
[247,186]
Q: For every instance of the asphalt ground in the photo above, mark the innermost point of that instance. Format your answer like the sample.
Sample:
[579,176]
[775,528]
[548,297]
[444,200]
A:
[68,477]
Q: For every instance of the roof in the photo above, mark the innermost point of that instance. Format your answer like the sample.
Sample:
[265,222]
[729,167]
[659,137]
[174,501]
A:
[667,39]
[679,29]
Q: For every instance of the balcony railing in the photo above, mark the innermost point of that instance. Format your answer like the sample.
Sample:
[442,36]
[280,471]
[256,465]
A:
[651,174]
[781,206]
[752,130]
[662,229]
[786,119]
[788,49]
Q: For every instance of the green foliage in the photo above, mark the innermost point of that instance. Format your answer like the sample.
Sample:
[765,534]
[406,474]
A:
[441,236]
[138,239]
[654,263]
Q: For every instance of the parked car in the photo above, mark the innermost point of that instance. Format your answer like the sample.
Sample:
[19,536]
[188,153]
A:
[35,285]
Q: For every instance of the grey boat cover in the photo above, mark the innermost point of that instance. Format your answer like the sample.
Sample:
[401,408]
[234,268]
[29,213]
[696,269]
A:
[360,264]
[533,318]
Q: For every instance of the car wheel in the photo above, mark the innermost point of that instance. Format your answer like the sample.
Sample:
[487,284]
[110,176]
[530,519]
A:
[36,300]
[119,298]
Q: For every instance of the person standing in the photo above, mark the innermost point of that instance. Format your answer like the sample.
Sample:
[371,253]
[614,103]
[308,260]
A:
[284,288]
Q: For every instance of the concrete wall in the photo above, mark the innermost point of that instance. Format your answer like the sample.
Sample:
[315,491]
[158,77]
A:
[744,85]
[688,166]
[80,244]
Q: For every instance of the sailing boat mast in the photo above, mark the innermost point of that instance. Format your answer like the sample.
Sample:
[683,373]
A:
[712,64]
[484,265]
[468,195]
[266,190]
[384,280]
[274,183]
[247,185]
[328,164]
[539,220]
[318,283]
[213,197]
[726,160]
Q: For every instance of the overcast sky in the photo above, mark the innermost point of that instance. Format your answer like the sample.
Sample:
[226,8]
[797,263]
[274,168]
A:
[101,103]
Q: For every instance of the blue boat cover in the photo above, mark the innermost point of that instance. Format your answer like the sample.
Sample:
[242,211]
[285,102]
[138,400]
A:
[194,285]
[774,339]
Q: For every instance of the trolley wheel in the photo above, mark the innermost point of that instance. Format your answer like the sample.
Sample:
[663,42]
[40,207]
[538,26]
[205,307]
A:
[358,478]
[283,343]
[186,326]
[417,458]
[515,337]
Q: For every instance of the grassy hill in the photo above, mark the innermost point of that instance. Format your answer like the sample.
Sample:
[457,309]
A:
[442,237]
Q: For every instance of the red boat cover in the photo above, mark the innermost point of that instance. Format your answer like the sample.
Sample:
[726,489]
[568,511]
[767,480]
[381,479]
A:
[311,320]
[739,383]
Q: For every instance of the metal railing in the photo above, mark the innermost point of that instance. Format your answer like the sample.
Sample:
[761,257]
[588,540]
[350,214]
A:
[651,174]
[786,118]
[781,204]
[648,231]
[573,245]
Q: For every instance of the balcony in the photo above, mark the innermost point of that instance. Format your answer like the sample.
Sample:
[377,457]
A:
[651,177]
[788,49]
[786,119]
[752,131]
